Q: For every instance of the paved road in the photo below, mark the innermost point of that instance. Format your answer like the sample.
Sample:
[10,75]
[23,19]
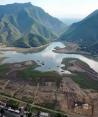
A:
[33,105]
[10,114]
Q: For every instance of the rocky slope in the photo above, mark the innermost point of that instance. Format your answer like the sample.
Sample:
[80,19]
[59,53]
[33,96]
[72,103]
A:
[20,19]
[84,33]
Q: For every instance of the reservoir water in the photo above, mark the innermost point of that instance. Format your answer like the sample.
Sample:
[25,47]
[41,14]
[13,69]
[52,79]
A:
[47,59]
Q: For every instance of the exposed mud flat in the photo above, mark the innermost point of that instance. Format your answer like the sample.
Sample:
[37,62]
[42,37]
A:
[50,90]
[71,48]
[35,78]
[23,50]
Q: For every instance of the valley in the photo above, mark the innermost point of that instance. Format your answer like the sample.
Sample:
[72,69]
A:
[44,81]
[47,65]
[38,28]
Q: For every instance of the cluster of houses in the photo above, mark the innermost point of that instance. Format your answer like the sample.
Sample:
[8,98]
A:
[83,108]
[21,112]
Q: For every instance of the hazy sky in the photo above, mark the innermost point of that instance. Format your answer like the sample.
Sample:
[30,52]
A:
[63,8]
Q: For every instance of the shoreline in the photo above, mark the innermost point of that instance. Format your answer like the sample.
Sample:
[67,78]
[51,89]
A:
[71,48]
[23,50]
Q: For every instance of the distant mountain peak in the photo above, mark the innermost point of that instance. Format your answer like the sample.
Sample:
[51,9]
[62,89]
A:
[25,18]
[84,33]
[27,4]
[16,3]
[93,14]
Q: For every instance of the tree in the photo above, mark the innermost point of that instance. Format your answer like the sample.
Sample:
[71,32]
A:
[13,104]
[60,115]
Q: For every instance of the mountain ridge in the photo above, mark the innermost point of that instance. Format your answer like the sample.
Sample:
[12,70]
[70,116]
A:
[84,33]
[24,18]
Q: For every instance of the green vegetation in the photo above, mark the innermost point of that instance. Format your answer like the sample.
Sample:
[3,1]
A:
[84,33]
[37,76]
[60,115]
[49,104]
[13,103]
[29,108]
[66,63]
[82,78]
[52,113]
[93,49]
[84,81]
[69,62]
[3,69]
[29,72]
[16,25]
[32,108]
[30,40]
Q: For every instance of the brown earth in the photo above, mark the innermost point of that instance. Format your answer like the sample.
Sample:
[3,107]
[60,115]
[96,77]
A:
[22,50]
[68,97]
[71,48]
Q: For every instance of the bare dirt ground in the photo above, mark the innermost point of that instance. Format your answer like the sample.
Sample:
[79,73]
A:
[32,49]
[68,97]
[77,66]
[62,99]
[70,48]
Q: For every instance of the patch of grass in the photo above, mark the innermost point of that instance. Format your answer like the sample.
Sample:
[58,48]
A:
[38,76]
[30,72]
[68,62]
[84,81]
[3,69]
[81,78]
[12,103]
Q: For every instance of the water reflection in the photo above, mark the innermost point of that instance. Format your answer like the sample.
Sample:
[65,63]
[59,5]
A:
[47,59]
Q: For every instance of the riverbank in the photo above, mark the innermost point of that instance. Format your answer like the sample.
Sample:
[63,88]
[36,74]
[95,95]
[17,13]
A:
[43,89]
[44,86]
[70,48]
[82,74]
[23,50]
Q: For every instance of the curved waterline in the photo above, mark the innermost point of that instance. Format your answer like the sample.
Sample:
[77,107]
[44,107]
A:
[47,59]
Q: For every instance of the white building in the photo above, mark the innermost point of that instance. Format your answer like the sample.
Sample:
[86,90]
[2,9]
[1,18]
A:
[43,114]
